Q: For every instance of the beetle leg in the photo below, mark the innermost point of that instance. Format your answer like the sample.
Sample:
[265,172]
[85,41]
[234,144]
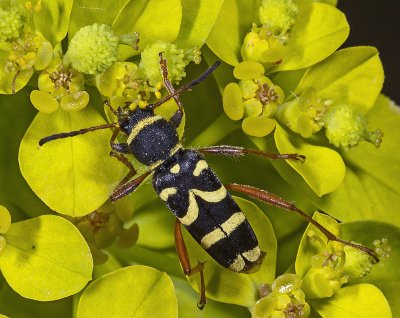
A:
[240,151]
[118,147]
[274,200]
[185,262]
[177,117]
[125,188]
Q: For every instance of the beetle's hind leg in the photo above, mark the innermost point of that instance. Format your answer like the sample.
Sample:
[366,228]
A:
[187,269]
[274,200]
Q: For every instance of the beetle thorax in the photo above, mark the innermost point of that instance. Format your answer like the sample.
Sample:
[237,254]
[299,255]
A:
[150,137]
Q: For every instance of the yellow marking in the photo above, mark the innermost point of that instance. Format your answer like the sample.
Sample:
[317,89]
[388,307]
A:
[192,211]
[175,149]
[166,193]
[252,255]
[175,169]
[140,125]
[233,222]
[211,238]
[238,264]
[211,196]
[156,164]
[200,166]
[222,232]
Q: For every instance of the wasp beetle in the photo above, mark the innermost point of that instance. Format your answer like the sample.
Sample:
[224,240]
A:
[190,189]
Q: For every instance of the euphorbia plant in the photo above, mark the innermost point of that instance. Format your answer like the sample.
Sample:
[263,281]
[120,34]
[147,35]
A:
[283,87]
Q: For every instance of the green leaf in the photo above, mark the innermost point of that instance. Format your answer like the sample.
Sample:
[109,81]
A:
[323,169]
[198,18]
[72,176]
[56,13]
[154,19]
[14,305]
[357,301]
[371,188]
[135,291]
[353,76]
[385,275]
[86,12]
[233,22]
[46,258]
[230,287]
[318,31]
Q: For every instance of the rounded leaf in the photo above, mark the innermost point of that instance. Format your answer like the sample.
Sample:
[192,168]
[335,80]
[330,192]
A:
[323,169]
[135,291]
[56,11]
[198,18]
[226,286]
[75,175]
[318,31]
[46,258]
[353,76]
[234,20]
[145,17]
[5,219]
[357,301]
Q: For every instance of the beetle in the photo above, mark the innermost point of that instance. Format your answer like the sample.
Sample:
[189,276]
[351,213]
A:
[187,185]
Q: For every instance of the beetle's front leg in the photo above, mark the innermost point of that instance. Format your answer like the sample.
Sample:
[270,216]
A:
[185,262]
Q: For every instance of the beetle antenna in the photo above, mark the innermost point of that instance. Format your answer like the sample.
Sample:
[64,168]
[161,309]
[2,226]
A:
[186,87]
[74,133]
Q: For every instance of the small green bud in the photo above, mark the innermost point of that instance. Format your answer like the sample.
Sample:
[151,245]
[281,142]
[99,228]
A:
[346,127]
[11,23]
[278,15]
[93,49]
[177,60]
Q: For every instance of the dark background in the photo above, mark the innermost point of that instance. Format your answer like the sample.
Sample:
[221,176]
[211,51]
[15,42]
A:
[377,23]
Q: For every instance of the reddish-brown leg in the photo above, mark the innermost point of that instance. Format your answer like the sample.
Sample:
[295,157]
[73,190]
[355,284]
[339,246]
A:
[124,189]
[185,262]
[240,151]
[277,201]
